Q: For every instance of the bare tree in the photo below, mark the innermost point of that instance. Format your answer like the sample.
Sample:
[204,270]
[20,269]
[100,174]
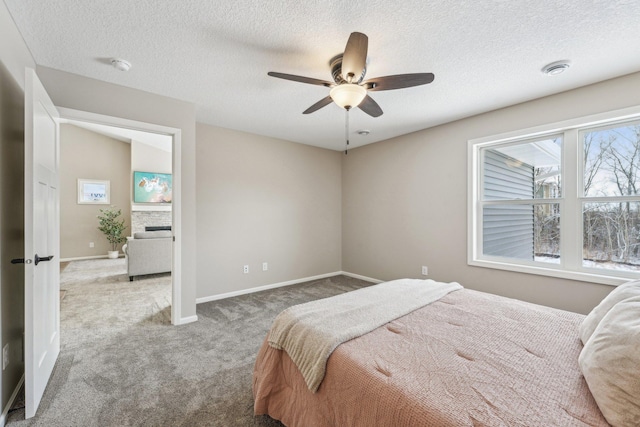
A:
[593,158]
[623,157]
[612,168]
[594,148]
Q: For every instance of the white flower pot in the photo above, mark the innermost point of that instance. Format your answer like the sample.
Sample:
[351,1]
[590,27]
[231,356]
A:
[113,254]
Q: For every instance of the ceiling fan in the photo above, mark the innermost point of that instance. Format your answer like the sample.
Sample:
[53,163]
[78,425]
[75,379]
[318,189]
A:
[348,89]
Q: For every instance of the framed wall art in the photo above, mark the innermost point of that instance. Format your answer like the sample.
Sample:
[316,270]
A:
[152,187]
[93,191]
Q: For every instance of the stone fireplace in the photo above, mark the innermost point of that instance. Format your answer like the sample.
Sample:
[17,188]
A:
[142,219]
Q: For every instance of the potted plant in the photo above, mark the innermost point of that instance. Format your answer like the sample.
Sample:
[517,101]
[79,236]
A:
[112,226]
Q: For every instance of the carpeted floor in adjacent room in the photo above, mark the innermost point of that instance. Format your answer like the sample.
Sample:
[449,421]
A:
[123,364]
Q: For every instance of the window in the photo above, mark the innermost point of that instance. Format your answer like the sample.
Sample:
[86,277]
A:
[520,213]
[610,196]
[561,200]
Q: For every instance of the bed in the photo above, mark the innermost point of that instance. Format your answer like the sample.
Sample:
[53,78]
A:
[467,359]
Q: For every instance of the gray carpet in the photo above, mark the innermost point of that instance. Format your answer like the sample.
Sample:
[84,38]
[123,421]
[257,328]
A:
[123,364]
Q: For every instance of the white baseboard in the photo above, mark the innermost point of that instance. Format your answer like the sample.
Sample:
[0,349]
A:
[264,288]
[365,278]
[80,258]
[185,320]
[5,411]
[280,285]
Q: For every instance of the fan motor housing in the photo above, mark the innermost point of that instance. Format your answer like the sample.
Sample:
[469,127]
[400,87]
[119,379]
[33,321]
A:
[336,71]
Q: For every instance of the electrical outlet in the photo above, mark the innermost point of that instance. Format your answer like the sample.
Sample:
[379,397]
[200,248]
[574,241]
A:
[425,270]
[91,245]
[245,269]
[265,266]
[5,356]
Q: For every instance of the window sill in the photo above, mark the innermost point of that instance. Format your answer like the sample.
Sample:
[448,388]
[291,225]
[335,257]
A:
[582,276]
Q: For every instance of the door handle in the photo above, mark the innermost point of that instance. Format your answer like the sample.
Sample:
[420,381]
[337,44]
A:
[17,261]
[38,259]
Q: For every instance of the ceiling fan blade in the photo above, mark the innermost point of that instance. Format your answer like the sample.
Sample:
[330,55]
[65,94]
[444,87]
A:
[300,79]
[371,107]
[399,81]
[354,58]
[318,105]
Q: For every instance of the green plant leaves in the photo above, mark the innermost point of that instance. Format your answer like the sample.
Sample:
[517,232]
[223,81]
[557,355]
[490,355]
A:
[110,223]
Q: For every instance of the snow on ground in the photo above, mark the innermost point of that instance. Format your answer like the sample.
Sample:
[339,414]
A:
[608,265]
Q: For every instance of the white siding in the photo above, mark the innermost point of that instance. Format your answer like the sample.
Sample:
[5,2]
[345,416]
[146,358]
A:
[507,229]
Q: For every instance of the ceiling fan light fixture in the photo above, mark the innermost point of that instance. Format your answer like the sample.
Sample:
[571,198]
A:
[348,70]
[348,95]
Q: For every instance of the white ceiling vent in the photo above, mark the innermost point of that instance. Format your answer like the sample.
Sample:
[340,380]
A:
[556,68]
[121,64]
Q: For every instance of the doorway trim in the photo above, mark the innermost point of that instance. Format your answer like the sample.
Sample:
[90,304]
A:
[176,205]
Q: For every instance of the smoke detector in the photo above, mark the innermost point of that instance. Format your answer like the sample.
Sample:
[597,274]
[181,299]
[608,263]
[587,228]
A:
[121,64]
[556,68]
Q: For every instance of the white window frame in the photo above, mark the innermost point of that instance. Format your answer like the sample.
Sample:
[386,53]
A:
[571,199]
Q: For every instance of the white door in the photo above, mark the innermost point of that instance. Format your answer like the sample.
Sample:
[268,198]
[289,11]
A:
[42,261]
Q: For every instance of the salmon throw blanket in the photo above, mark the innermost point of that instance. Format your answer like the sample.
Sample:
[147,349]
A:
[310,332]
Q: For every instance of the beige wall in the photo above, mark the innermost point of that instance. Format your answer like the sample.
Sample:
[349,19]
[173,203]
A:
[14,53]
[405,199]
[95,96]
[14,57]
[145,158]
[264,200]
[88,155]
[11,228]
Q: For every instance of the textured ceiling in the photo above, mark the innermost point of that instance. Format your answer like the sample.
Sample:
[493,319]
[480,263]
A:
[484,54]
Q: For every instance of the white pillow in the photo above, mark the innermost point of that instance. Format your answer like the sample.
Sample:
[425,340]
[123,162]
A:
[610,363]
[622,292]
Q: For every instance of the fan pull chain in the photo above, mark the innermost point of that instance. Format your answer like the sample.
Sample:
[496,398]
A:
[346,132]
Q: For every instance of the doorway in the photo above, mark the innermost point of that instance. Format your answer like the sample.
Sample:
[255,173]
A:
[121,127]
[42,129]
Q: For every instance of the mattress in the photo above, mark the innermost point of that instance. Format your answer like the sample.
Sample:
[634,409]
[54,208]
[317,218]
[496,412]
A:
[468,359]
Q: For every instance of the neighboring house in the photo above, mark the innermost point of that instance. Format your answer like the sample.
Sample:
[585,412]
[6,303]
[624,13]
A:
[522,231]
